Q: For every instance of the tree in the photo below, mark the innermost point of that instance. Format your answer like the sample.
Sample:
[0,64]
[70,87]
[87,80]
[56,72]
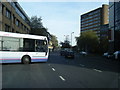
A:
[37,27]
[65,44]
[36,22]
[104,44]
[54,41]
[39,31]
[88,41]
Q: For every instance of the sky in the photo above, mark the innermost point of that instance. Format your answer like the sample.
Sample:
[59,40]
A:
[61,18]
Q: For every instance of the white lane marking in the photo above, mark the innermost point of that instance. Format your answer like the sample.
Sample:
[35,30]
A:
[53,69]
[82,65]
[62,78]
[97,70]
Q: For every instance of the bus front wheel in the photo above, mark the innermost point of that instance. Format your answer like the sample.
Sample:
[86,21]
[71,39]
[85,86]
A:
[26,60]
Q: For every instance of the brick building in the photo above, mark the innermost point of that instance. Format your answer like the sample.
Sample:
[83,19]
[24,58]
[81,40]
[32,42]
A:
[13,18]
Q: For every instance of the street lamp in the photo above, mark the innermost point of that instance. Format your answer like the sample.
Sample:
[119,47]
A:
[71,38]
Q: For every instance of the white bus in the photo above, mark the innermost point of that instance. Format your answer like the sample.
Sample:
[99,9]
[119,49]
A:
[23,48]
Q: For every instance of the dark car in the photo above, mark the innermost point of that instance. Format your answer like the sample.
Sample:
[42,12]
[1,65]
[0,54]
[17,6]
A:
[69,54]
[62,52]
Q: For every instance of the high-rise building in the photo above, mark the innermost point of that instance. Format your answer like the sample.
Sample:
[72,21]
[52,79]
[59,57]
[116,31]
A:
[93,20]
[105,32]
[13,18]
[114,25]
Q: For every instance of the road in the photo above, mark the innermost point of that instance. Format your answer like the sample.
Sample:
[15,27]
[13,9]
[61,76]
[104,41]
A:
[58,72]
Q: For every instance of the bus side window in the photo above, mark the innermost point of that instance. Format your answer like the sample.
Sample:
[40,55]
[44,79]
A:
[29,45]
[37,46]
[10,44]
[41,46]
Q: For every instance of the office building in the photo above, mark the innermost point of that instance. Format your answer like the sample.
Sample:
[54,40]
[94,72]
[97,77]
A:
[105,32]
[114,25]
[13,18]
[93,20]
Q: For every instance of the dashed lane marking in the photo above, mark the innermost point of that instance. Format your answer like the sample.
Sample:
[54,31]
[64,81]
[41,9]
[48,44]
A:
[53,69]
[62,78]
[97,70]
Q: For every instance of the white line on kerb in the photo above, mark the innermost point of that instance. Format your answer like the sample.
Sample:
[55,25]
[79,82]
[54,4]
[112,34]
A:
[53,69]
[97,70]
[62,78]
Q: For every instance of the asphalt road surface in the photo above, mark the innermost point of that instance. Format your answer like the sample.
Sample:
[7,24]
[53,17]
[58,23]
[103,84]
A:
[59,72]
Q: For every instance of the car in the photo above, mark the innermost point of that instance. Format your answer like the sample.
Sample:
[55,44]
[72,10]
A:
[116,55]
[108,55]
[105,54]
[69,54]
[62,52]
[83,53]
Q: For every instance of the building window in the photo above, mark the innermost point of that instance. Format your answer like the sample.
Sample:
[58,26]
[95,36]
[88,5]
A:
[8,13]
[17,23]
[27,30]
[3,9]
[19,12]
[0,25]
[21,26]
[7,28]
[13,19]
[24,27]
[0,8]
[10,44]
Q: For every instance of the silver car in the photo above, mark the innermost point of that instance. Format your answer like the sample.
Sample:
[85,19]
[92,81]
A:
[83,53]
[117,55]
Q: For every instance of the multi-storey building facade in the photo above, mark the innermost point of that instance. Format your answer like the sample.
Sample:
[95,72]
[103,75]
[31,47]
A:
[13,18]
[105,32]
[114,25]
[93,20]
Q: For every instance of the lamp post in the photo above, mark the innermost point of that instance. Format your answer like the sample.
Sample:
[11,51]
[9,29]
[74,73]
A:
[71,38]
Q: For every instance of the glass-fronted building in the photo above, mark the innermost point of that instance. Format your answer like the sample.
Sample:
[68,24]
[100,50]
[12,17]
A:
[105,32]
[114,25]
